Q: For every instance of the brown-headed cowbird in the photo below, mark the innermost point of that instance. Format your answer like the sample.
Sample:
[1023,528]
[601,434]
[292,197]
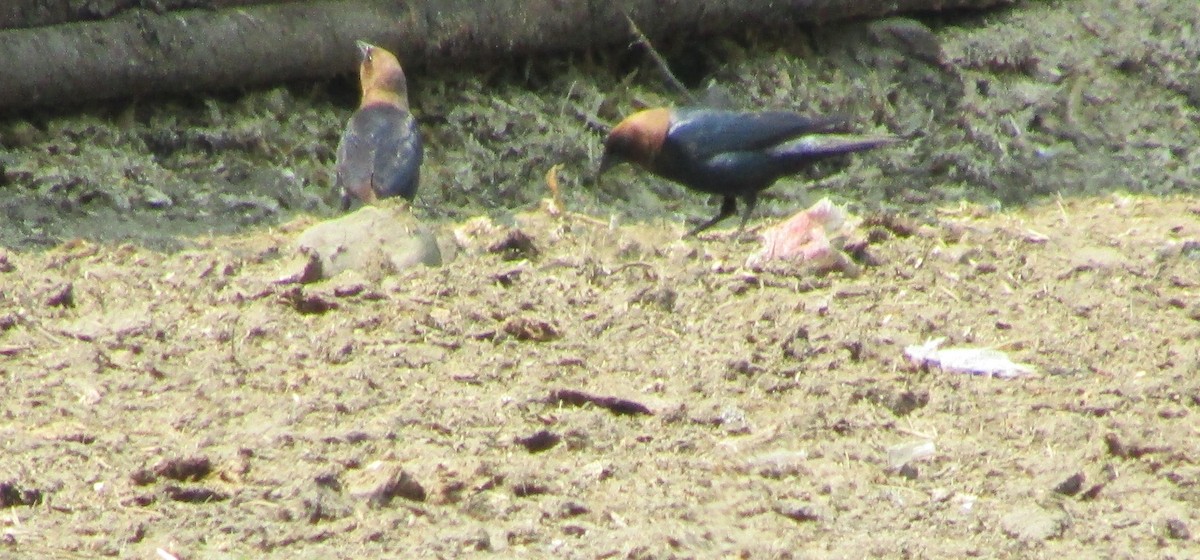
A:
[380,153]
[728,153]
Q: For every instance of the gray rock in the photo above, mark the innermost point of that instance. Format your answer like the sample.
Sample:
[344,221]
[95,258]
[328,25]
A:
[1033,524]
[376,239]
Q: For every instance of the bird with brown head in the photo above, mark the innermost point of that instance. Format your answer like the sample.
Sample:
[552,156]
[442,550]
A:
[380,152]
[734,154]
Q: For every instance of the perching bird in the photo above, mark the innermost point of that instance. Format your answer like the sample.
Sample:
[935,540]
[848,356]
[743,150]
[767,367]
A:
[729,153]
[380,153]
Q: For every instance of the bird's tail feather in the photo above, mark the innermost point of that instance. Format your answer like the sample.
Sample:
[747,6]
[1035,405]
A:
[824,145]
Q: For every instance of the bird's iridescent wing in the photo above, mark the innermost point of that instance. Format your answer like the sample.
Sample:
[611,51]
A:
[398,158]
[706,133]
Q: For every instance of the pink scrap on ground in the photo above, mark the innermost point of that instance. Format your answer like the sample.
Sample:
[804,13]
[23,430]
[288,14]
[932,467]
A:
[802,237]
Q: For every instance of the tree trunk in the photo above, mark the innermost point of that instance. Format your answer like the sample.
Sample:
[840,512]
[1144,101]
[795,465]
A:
[140,52]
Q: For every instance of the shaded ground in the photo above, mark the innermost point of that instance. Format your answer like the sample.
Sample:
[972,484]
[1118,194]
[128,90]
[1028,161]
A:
[1015,105]
[183,400]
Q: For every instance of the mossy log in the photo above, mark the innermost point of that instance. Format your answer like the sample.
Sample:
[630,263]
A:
[238,43]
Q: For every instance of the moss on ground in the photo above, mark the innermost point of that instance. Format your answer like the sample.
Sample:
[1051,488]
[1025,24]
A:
[1001,108]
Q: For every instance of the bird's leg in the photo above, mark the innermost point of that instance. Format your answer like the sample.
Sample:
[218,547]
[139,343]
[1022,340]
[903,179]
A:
[751,201]
[728,207]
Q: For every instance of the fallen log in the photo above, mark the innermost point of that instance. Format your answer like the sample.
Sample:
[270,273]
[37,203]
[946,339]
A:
[16,14]
[141,52]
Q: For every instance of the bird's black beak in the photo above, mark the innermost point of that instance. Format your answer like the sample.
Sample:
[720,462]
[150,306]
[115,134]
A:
[364,49]
[607,161]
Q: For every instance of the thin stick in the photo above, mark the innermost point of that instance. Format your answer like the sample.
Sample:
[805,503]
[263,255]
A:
[659,60]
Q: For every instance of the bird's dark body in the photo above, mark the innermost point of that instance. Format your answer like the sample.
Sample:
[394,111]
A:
[380,151]
[733,153]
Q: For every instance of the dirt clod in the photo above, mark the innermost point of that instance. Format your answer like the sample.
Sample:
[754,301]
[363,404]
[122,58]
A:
[515,245]
[12,494]
[307,303]
[801,511]
[540,441]
[184,469]
[612,404]
[1072,485]
[61,295]
[528,329]
[1177,529]
[1124,448]
[195,494]
[379,483]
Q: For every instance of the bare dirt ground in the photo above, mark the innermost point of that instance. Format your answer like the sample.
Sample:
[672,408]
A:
[188,402]
[619,392]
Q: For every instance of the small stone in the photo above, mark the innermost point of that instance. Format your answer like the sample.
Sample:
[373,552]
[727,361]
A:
[733,420]
[900,402]
[380,482]
[477,540]
[379,240]
[910,37]
[1175,249]
[531,330]
[590,473]
[1097,258]
[487,506]
[1032,524]
[661,297]
[779,464]
[155,198]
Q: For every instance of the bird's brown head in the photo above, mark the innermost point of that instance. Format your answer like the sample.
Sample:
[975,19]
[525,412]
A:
[381,76]
[637,139]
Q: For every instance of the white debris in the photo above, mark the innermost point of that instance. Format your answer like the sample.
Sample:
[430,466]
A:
[905,453]
[973,361]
